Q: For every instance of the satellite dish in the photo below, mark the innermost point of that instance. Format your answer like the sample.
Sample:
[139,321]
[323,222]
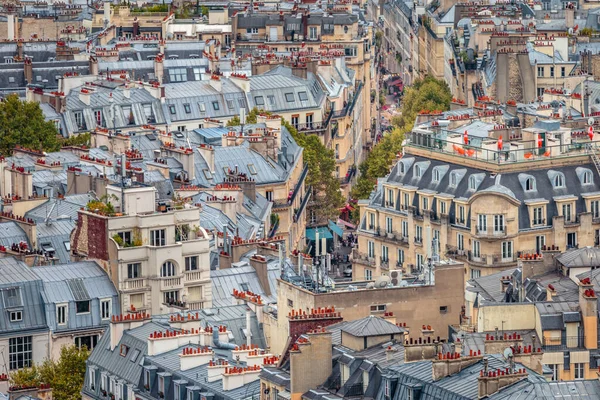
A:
[370,285]
[570,31]
[508,352]
[382,281]
[591,121]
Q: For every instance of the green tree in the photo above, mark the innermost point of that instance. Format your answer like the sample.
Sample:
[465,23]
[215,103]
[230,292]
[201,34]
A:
[321,168]
[83,139]
[425,94]
[22,123]
[65,376]
[251,117]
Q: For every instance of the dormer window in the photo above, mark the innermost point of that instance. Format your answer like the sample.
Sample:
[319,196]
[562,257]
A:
[559,181]
[587,178]
[436,175]
[453,179]
[530,185]
[418,171]
[472,183]
[401,167]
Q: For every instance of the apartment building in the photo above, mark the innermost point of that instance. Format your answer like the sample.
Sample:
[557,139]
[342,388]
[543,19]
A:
[553,297]
[311,33]
[399,39]
[48,307]
[484,203]
[157,255]
[213,353]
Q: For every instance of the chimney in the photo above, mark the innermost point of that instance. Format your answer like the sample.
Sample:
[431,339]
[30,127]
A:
[192,357]
[390,353]
[504,282]
[570,15]
[452,363]
[159,68]
[389,317]
[530,356]
[10,34]
[20,49]
[241,81]
[495,343]
[93,62]
[107,19]
[28,70]
[208,154]
[260,265]
[85,95]
[491,382]
[588,303]
[120,323]
[248,327]
[215,82]
[550,292]
[421,349]
[313,354]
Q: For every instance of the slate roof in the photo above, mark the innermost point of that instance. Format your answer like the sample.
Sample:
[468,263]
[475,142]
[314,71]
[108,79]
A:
[58,235]
[585,257]
[11,232]
[65,208]
[371,326]
[510,184]
[225,280]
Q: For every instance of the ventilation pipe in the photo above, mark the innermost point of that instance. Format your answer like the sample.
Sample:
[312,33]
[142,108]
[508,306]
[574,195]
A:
[248,327]
[218,344]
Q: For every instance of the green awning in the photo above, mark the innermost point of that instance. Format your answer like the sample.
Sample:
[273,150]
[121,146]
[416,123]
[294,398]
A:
[335,229]
[323,233]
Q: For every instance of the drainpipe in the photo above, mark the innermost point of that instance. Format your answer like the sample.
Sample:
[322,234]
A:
[248,328]
[218,344]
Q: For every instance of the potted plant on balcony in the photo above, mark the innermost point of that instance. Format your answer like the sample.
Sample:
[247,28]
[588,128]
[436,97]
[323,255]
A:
[103,392]
[161,395]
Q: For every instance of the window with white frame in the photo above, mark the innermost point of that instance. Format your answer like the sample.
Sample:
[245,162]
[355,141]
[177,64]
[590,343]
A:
[406,200]
[461,218]
[482,223]
[388,225]
[499,223]
[595,208]
[167,269]
[476,249]
[368,274]
[177,74]
[418,234]
[555,375]
[442,207]
[371,249]
[475,273]
[157,237]
[425,204]
[384,253]
[420,261]
[460,241]
[191,263]
[20,352]
[538,215]
[405,229]
[92,378]
[105,308]
[566,212]
[579,371]
[390,198]
[400,256]
[507,250]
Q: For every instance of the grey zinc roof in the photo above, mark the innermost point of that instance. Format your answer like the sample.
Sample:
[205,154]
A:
[58,234]
[371,326]
[579,258]
[11,232]
[15,274]
[65,208]
[588,389]
[224,281]
[507,184]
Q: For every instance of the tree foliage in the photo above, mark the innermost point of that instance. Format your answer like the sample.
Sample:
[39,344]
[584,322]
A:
[64,376]
[83,139]
[426,94]
[321,167]
[22,123]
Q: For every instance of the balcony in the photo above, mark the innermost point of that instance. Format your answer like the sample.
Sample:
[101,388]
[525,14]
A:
[384,263]
[349,175]
[311,127]
[480,260]
[564,343]
[192,276]
[362,258]
[290,200]
[170,283]
[298,212]
[490,233]
[135,284]
[347,110]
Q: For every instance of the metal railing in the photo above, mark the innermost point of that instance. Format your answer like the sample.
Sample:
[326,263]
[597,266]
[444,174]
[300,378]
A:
[350,105]
[349,175]
[300,209]
[479,258]
[297,187]
[310,127]
[474,150]
[564,343]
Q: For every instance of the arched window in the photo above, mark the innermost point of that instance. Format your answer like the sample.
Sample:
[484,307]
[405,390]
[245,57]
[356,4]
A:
[168,269]
[587,178]
[559,181]
[530,185]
